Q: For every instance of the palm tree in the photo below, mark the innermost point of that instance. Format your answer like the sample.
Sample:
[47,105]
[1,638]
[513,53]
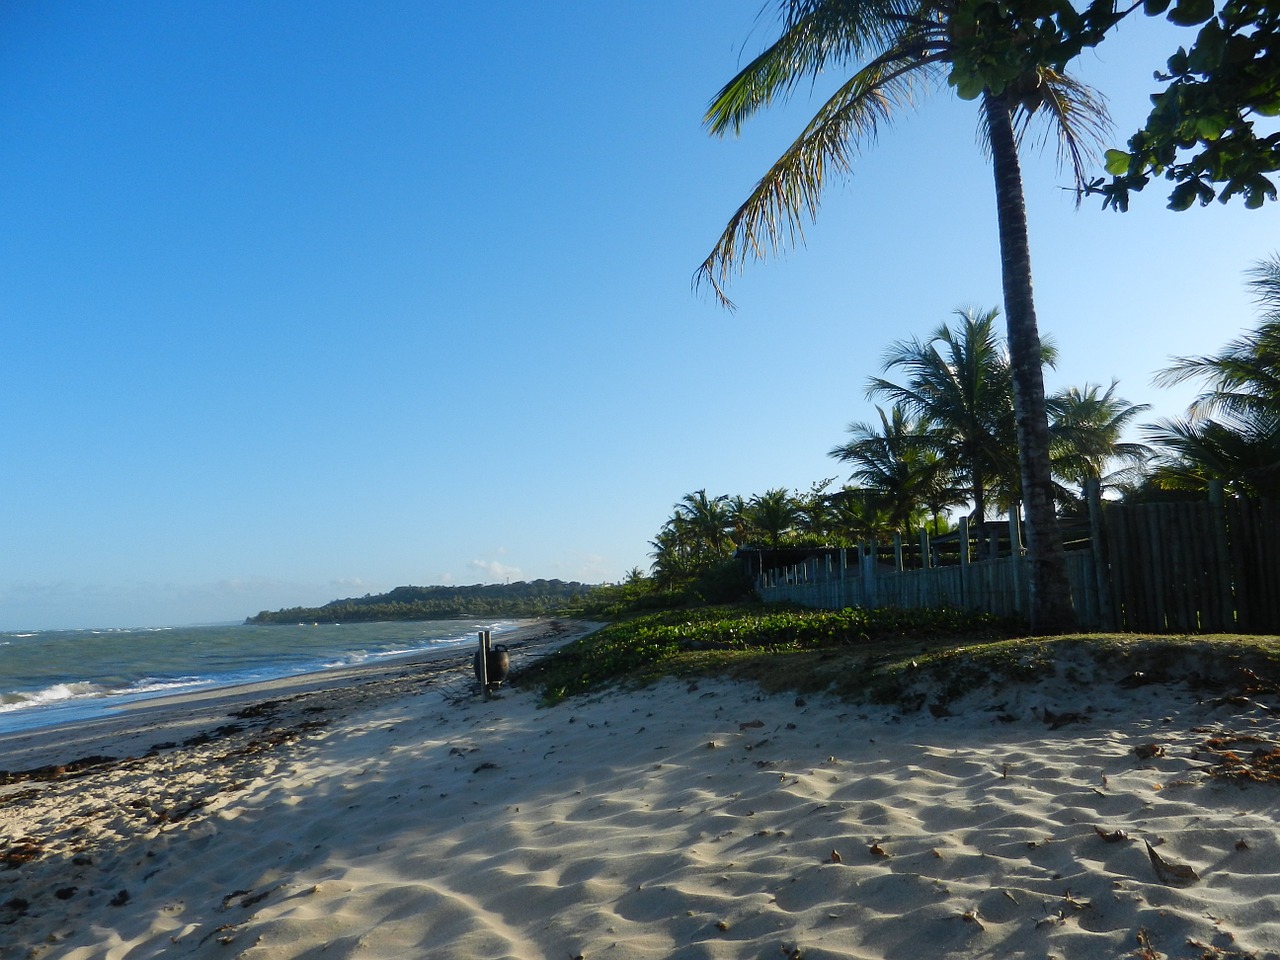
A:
[773,513]
[1244,456]
[899,464]
[959,383]
[741,529]
[1086,428]
[707,521]
[860,516]
[816,517]
[672,557]
[1244,378]
[1012,60]
[1232,431]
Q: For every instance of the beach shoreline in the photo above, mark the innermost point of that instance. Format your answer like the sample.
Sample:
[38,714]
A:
[190,713]
[701,819]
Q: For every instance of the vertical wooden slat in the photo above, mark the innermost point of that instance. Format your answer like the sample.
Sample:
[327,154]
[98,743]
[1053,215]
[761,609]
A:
[1153,568]
[1106,619]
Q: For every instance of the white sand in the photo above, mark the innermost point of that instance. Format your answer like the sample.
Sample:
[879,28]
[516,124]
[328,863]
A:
[703,820]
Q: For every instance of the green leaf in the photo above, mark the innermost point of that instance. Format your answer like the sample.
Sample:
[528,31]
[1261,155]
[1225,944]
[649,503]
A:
[1153,8]
[1210,49]
[1211,128]
[1117,162]
[1187,13]
[1270,108]
[1183,196]
[968,86]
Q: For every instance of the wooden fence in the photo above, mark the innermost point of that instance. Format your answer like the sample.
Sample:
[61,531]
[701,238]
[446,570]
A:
[1146,568]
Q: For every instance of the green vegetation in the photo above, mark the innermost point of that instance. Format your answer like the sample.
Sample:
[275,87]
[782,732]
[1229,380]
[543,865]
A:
[1201,132]
[534,598]
[905,658]
[1231,433]
[712,639]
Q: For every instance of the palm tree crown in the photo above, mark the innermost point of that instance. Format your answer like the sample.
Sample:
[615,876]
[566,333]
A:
[1232,431]
[959,382]
[1087,427]
[898,464]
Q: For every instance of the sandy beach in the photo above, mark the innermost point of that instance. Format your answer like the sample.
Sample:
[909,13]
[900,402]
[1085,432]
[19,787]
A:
[392,813]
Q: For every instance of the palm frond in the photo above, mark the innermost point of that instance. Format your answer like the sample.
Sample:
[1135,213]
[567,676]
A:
[1075,114]
[1264,280]
[815,33]
[1080,122]
[788,195]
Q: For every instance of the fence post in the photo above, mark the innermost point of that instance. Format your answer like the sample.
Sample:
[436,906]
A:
[1015,559]
[964,561]
[1101,573]
[1228,605]
[897,552]
[925,558]
[844,569]
[869,576]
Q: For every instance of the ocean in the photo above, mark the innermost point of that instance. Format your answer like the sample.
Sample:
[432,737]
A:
[59,676]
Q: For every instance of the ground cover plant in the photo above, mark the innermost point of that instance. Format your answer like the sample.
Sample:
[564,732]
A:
[911,659]
[733,638]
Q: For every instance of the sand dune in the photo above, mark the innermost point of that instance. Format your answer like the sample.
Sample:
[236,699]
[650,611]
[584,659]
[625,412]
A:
[685,820]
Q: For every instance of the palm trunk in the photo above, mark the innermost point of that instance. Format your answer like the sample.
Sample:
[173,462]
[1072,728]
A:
[1051,607]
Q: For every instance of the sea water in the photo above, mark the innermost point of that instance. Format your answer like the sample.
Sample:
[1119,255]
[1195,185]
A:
[59,676]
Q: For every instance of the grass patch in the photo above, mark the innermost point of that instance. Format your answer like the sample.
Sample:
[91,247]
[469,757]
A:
[884,656]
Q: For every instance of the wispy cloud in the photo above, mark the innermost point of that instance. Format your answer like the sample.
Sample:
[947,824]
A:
[495,571]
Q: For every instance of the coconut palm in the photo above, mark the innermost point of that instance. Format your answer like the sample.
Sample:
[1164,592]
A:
[672,556]
[1087,427]
[773,513]
[706,521]
[1244,377]
[1009,56]
[740,525]
[816,518]
[1232,431]
[860,516]
[959,383]
[1244,456]
[898,463]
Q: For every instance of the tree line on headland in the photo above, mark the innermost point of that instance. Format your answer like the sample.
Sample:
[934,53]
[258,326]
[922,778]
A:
[533,598]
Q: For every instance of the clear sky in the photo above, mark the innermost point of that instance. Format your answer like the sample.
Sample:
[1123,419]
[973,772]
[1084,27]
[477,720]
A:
[305,300]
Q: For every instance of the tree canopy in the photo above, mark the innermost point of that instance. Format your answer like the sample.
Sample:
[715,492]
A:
[1203,134]
[531,598]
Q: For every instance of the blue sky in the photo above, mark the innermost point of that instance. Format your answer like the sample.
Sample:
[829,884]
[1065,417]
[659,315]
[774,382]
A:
[310,300]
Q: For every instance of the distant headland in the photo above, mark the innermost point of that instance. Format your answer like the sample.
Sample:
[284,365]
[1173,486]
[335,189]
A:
[533,598]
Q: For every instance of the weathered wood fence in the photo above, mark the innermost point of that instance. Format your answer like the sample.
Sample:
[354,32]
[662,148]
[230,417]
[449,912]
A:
[1145,568]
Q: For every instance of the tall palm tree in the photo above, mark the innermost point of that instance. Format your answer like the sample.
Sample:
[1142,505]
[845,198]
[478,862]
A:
[959,382]
[774,512]
[741,529]
[898,462]
[707,521]
[1244,456]
[1010,57]
[672,557]
[816,516]
[860,516]
[1087,427]
[1244,377]
[1232,430]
